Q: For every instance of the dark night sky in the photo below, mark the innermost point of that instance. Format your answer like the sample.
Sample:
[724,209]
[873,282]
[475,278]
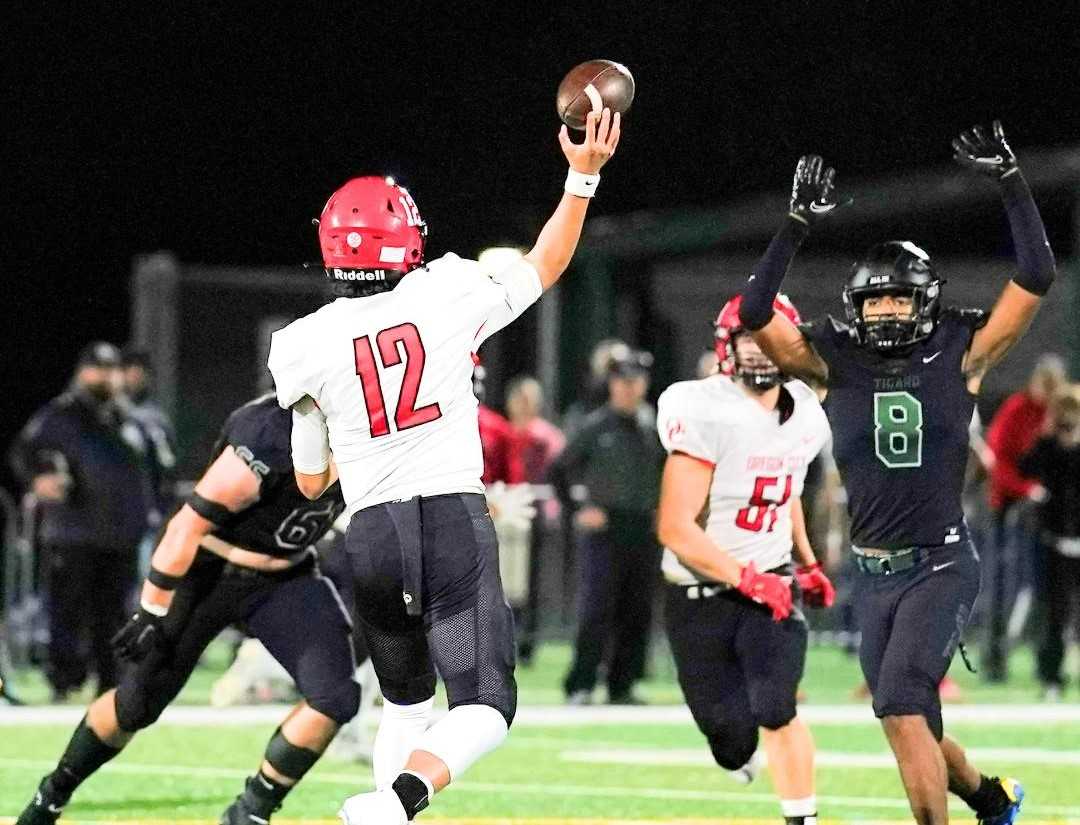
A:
[219,133]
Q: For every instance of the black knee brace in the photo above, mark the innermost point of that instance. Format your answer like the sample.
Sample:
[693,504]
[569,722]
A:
[136,708]
[288,759]
[340,701]
[775,716]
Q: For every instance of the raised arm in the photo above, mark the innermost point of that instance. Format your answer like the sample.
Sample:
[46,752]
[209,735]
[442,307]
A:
[558,239]
[990,155]
[812,199]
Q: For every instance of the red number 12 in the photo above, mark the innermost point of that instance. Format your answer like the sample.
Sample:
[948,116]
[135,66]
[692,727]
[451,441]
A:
[407,414]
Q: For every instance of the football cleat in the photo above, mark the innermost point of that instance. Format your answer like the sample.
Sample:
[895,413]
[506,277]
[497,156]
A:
[380,807]
[43,809]
[1015,792]
[248,808]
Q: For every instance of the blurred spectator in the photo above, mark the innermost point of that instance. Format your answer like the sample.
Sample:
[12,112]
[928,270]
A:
[1012,432]
[87,466]
[148,414]
[595,392]
[536,441]
[138,404]
[495,435]
[609,474]
[1054,462]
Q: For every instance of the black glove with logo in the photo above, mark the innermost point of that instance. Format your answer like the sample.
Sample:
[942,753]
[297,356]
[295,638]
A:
[987,154]
[812,193]
[140,636]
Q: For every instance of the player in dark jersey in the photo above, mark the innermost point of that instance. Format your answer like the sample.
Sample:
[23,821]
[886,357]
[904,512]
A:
[901,377]
[239,551]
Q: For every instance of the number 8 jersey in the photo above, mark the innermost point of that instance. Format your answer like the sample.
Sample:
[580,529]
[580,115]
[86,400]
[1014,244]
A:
[392,373]
[759,459]
[900,431]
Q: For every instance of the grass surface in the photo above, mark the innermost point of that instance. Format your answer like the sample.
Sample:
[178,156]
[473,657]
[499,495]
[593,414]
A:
[636,770]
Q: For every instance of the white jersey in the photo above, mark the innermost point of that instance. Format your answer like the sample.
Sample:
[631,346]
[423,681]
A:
[392,372]
[759,464]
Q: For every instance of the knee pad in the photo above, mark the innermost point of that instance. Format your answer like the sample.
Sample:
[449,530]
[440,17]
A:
[340,701]
[774,717]
[136,708]
[733,745]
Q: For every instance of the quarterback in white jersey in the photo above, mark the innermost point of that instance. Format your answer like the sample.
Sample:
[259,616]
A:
[739,443]
[380,385]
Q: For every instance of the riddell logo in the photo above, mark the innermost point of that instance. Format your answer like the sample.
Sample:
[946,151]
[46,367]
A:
[357,274]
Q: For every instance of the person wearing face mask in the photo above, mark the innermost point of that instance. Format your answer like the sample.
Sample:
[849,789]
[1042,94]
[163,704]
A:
[1054,462]
[86,464]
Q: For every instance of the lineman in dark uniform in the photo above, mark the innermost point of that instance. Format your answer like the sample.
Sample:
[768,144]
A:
[901,377]
[88,466]
[239,551]
[610,473]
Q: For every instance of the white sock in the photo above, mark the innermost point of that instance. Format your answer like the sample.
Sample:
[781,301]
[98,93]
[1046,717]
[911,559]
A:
[799,807]
[464,735]
[399,734]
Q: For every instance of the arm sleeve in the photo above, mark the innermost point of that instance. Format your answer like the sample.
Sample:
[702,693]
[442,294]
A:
[506,295]
[686,430]
[310,438]
[288,366]
[768,273]
[1034,258]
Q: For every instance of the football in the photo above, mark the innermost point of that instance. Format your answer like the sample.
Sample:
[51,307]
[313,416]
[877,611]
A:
[590,86]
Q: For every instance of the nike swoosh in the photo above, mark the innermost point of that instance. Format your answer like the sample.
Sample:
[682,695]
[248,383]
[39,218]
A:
[943,566]
[821,208]
[991,161]
[53,809]
[928,359]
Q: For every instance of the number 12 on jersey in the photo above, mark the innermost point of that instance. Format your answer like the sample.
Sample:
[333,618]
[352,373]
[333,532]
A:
[390,343]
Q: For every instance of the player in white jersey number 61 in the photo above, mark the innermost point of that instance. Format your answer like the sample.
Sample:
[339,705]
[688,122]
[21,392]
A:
[739,443]
[380,384]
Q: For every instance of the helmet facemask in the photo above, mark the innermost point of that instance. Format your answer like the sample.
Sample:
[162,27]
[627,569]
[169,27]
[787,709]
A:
[893,268]
[754,370]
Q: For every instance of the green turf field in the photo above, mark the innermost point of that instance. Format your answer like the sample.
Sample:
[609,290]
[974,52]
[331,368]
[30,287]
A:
[648,765]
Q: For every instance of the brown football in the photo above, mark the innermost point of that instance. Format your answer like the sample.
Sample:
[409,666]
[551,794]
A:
[591,85]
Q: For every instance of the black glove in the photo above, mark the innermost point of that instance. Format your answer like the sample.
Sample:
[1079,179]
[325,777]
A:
[812,193]
[141,635]
[985,154]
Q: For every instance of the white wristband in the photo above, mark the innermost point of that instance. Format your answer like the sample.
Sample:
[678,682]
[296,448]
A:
[580,184]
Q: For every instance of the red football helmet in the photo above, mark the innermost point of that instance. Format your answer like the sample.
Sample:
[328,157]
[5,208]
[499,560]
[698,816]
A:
[371,223]
[728,325]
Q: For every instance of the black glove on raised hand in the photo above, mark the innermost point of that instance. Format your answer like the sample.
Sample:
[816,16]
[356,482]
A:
[987,154]
[141,635]
[812,193]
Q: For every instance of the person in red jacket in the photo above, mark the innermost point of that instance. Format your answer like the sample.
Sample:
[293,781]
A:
[1013,430]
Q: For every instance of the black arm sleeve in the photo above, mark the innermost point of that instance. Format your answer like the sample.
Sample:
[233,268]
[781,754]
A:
[564,468]
[1034,258]
[768,273]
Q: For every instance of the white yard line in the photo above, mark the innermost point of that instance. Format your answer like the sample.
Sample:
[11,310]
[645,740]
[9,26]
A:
[557,716]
